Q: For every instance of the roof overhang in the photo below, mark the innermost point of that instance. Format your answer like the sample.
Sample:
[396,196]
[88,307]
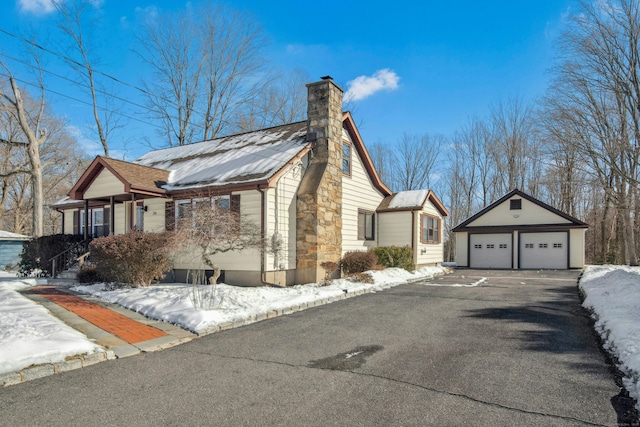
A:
[98,165]
[431,197]
[350,126]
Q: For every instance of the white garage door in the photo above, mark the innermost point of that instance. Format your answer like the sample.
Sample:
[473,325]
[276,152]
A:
[490,250]
[544,250]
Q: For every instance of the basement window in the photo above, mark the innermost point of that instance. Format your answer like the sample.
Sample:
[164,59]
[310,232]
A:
[515,204]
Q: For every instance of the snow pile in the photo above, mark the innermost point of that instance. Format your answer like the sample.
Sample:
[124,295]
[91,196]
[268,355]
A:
[29,334]
[173,303]
[612,294]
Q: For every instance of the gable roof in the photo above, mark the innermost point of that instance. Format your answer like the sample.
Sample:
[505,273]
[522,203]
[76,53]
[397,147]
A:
[135,178]
[239,161]
[253,157]
[573,222]
[349,124]
[411,200]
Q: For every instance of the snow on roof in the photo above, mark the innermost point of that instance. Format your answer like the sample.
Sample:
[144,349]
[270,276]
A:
[7,235]
[408,199]
[66,200]
[234,159]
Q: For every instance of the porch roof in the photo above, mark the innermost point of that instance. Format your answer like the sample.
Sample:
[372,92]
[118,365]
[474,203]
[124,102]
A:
[412,200]
[138,179]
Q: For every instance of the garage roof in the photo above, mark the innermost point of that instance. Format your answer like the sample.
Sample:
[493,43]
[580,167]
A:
[571,222]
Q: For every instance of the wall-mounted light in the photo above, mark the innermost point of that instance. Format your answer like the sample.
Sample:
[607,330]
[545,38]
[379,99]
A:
[146,208]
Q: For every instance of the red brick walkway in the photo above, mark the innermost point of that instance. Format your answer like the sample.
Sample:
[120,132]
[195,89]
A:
[117,324]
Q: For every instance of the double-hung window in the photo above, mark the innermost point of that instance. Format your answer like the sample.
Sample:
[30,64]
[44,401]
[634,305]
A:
[429,229]
[366,225]
[205,215]
[184,213]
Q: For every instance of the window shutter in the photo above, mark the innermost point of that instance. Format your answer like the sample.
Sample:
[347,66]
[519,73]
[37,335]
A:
[106,221]
[170,216]
[76,222]
[235,203]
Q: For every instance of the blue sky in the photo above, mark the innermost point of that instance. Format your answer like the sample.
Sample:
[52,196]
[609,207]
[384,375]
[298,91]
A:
[436,64]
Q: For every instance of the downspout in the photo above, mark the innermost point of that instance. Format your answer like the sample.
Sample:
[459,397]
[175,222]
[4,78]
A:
[414,238]
[262,237]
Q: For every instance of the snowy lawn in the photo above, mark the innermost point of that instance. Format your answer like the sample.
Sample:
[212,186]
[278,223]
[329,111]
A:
[612,294]
[174,303]
[29,334]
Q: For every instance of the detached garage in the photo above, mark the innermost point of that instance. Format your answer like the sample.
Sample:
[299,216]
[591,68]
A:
[520,232]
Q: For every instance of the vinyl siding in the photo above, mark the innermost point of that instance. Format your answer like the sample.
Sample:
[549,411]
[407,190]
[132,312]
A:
[154,217]
[576,248]
[462,254]
[281,219]
[394,228]
[358,192]
[529,214]
[104,185]
[68,221]
[429,253]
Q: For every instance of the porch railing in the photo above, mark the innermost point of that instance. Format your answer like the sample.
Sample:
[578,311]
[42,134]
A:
[69,257]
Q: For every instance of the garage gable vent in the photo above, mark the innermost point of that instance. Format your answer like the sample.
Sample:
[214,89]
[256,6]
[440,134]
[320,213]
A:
[515,204]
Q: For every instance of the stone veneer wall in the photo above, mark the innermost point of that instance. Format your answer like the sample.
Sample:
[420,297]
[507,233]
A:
[319,203]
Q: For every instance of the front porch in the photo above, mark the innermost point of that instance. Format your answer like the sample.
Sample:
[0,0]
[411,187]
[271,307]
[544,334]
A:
[113,197]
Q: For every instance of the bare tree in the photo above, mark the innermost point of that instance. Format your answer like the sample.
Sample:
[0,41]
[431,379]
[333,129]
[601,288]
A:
[415,161]
[31,125]
[206,64]
[382,157]
[596,97]
[513,143]
[282,100]
[78,20]
[213,224]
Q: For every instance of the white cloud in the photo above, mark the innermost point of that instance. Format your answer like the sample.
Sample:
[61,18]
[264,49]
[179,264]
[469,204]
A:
[39,7]
[146,14]
[364,86]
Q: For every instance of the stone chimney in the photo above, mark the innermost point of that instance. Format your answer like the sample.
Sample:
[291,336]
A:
[319,203]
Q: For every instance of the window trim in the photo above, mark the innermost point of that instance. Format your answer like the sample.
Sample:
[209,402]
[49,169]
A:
[349,161]
[366,214]
[192,203]
[438,239]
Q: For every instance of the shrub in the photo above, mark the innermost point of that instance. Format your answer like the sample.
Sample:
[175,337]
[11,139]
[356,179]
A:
[395,256]
[37,252]
[135,258]
[357,262]
[89,275]
[329,267]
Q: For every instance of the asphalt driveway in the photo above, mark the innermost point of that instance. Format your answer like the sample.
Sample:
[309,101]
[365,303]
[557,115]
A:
[513,349]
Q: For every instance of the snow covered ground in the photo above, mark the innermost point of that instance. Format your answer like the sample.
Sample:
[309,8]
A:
[29,334]
[179,303]
[612,294]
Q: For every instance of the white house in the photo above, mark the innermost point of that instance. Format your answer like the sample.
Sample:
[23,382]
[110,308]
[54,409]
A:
[310,186]
[520,232]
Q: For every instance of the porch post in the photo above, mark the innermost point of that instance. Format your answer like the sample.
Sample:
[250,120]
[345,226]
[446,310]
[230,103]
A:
[132,211]
[86,219]
[112,214]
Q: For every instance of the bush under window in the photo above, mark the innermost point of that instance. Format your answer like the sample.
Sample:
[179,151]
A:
[357,262]
[395,256]
[135,258]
